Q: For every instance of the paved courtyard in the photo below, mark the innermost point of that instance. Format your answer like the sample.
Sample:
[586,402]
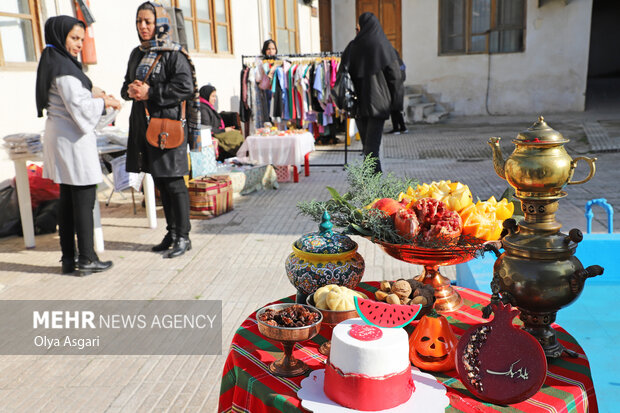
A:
[239,258]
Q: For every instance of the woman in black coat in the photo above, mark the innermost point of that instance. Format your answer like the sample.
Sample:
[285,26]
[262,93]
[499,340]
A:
[373,65]
[171,82]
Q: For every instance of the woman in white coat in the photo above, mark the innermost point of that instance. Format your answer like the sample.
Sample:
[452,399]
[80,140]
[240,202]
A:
[70,145]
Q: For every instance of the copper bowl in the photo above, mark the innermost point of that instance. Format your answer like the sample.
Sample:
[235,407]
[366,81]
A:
[332,318]
[293,334]
[288,365]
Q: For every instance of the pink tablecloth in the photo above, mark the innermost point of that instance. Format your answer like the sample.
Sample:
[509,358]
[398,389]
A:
[277,150]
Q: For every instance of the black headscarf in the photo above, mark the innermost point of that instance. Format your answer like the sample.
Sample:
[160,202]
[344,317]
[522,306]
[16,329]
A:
[56,59]
[205,91]
[265,46]
[370,51]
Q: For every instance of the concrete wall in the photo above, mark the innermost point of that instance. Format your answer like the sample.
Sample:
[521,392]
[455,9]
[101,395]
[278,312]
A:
[116,36]
[550,76]
[343,23]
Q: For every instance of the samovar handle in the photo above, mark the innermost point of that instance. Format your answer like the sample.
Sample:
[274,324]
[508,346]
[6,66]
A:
[573,165]
[580,276]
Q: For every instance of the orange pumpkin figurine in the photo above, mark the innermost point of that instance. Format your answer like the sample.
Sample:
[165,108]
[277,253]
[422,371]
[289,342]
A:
[432,344]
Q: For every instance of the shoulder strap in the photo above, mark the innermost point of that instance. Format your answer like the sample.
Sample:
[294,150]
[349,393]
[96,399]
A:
[152,67]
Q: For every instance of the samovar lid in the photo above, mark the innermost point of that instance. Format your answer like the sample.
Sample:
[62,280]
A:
[540,132]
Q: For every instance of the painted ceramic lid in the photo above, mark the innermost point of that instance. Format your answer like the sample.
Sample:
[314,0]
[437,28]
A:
[325,241]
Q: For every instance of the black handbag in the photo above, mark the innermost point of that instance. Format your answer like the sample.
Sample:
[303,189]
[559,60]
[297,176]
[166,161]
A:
[343,92]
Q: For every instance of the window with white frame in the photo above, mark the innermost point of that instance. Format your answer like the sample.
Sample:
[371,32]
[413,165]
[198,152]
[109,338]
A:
[481,26]
[19,32]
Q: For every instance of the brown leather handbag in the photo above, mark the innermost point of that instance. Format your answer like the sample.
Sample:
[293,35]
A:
[164,133]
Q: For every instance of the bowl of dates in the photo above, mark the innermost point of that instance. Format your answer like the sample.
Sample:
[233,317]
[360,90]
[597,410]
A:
[289,322]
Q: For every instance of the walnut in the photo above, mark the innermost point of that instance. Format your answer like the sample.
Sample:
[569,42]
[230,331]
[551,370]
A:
[385,286]
[402,289]
[392,299]
[381,295]
[415,284]
[420,299]
[426,291]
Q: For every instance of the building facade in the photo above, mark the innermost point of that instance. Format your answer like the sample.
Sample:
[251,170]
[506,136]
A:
[483,57]
[218,33]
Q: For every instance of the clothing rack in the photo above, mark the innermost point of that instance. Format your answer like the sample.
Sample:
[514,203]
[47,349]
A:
[293,55]
[346,149]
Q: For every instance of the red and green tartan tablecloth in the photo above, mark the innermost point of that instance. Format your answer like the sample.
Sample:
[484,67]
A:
[247,385]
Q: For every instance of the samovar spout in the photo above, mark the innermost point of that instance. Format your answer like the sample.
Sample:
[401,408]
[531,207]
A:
[580,276]
[498,158]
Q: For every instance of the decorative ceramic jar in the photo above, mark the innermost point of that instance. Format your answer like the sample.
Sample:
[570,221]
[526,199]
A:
[322,258]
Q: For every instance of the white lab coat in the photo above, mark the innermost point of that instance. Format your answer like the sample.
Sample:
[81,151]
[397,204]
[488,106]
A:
[69,144]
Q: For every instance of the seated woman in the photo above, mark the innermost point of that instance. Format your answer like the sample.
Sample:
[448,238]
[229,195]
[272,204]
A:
[229,138]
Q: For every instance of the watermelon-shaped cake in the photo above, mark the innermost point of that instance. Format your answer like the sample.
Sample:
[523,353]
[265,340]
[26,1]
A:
[386,315]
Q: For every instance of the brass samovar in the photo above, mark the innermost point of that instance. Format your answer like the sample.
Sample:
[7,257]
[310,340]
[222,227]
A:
[538,271]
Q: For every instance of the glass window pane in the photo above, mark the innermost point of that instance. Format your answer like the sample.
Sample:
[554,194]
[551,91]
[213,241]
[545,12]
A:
[506,41]
[510,13]
[204,36]
[220,11]
[202,10]
[222,39]
[15,6]
[189,32]
[283,45]
[280,13]
[478,44]
[480,16]
[186,7]
[291,41]
[17,40]
[290,14]
[452,26]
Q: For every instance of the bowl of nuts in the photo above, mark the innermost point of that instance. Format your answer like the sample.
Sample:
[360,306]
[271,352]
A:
[288,324]
[406,292]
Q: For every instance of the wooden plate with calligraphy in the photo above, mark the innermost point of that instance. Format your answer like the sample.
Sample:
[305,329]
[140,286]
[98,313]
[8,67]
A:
[500,363]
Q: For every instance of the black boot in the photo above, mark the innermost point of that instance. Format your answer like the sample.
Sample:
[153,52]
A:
[68,265]
[88,267]
[181,245]
[165,243]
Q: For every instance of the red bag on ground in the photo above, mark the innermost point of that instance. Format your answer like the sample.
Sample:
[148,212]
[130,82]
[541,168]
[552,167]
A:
[41,189]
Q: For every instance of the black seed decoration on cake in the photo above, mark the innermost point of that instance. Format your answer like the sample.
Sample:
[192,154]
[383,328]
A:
[470,356]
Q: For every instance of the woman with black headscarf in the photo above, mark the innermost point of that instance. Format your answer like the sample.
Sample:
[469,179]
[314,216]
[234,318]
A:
[171,82]
[229,139]
[373,65]
[69,144]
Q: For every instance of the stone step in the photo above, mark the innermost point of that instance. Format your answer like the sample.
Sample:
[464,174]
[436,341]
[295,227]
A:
[413,98]
[436,116]
[420,110]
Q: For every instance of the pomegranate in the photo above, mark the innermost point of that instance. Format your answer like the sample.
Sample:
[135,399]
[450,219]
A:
[498,362]
[407,224]
[388,205]
[437,221]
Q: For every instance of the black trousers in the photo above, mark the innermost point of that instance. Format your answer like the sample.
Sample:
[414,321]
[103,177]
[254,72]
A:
[371,132]
[75,217]
[175,200]
[398,122]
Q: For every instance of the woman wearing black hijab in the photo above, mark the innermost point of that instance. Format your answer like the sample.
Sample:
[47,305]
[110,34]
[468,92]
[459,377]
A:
[69,145]
[373,65]
[229,139]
